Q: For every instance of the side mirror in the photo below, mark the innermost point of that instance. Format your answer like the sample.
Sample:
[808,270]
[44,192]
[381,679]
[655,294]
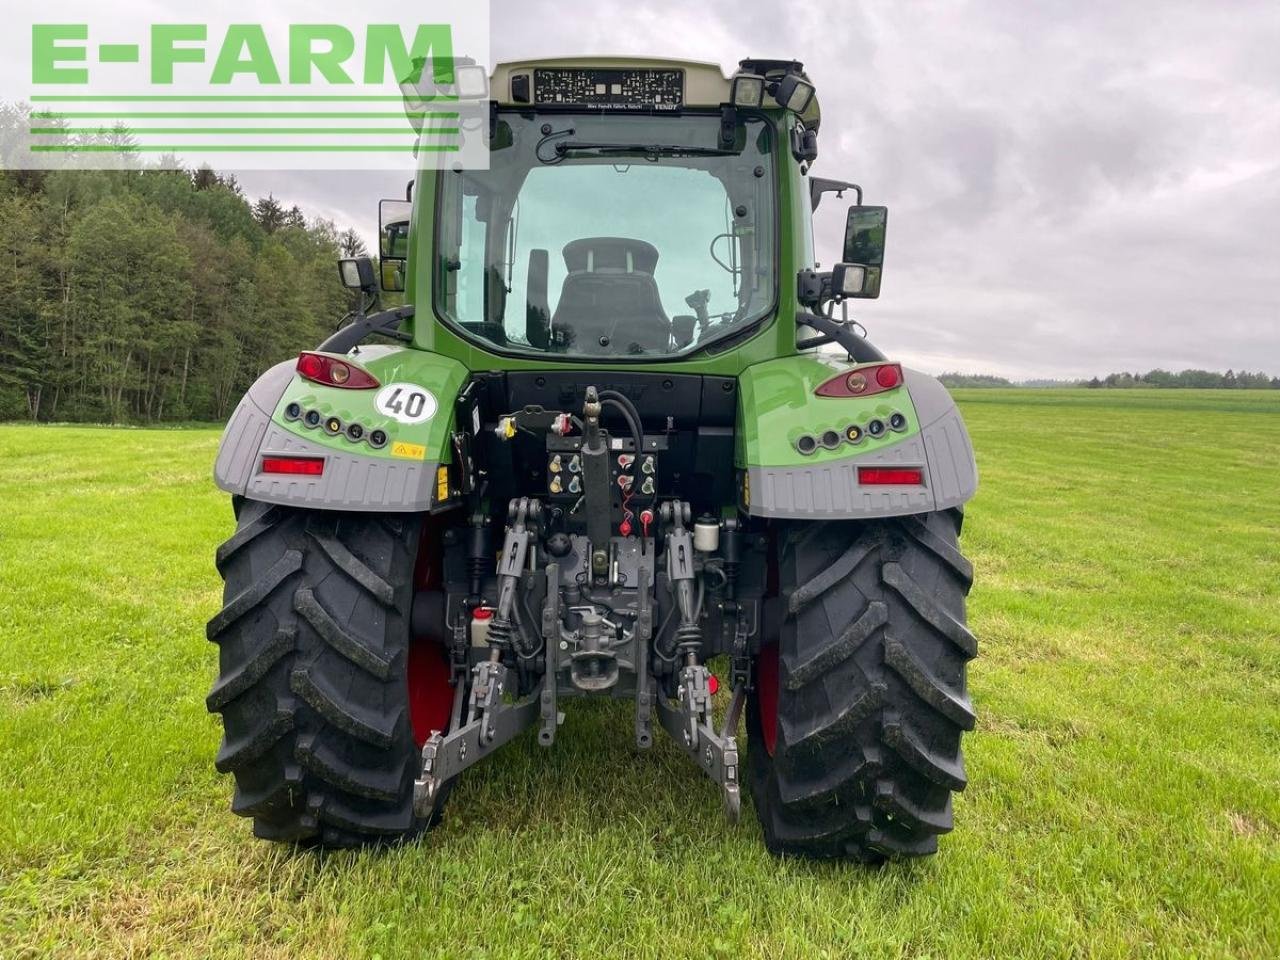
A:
[393,276]
[394,218]
[858,275]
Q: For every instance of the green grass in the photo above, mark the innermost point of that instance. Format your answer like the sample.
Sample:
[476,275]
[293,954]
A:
[1124,779]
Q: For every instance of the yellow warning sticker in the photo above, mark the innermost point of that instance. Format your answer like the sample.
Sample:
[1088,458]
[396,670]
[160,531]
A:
[410,451]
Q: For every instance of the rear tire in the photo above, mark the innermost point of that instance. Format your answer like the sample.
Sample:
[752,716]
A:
[854,728]
[314,642]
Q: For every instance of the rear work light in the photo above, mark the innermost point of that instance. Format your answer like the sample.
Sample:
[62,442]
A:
[890,476]
[863,382]
[294,466]
[333,372]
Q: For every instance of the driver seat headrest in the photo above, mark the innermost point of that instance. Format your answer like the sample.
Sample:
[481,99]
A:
[610,255]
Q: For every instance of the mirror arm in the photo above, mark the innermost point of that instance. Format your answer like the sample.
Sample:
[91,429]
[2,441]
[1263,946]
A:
[859,348]
[813,342]
[818,186]
[387,324]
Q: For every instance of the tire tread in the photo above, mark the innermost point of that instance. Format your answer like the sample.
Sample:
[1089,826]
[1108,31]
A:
[872,700]
[314,708]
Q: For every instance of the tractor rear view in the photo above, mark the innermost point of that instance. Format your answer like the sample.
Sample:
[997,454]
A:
[620,433]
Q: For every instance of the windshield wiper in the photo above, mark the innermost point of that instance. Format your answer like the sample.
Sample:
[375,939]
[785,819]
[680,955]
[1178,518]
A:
[650,151]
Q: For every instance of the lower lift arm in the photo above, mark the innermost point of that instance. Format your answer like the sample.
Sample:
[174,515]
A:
[490,721]
[689,720]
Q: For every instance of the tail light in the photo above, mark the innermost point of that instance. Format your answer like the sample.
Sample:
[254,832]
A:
[890,476]
[863,382]
[333,372]
[294,466]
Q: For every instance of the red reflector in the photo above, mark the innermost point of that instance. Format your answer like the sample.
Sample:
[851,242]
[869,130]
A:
[890,476]
[296,466]
[310,366]
[888,376]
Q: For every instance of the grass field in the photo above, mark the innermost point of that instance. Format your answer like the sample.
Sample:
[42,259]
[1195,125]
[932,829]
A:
[1124,792]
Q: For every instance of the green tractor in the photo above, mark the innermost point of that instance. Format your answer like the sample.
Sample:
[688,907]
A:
[620,436]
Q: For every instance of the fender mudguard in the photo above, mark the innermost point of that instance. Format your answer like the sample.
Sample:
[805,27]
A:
[778,404]
[402,475]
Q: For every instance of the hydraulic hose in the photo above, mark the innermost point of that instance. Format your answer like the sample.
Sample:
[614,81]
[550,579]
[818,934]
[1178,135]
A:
[629,413]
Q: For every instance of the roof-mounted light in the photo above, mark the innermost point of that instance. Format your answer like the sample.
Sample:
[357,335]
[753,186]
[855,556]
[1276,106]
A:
[472,81]
[445,78]
[748,90]
[795,93]
[457,81]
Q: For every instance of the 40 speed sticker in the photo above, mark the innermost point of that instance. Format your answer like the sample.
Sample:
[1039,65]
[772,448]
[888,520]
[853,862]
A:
[406,402]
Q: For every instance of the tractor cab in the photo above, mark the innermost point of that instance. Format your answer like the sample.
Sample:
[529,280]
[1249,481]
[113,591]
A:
[631,211]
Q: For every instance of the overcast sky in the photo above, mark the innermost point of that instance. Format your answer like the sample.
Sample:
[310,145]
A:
[1074,187]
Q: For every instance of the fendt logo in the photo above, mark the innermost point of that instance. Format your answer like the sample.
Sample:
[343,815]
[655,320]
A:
[315,91]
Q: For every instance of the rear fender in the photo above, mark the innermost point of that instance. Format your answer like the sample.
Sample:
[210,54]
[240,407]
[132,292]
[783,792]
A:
[403,475]
[778,404]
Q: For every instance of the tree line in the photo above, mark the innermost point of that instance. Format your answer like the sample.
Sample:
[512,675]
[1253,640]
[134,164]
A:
[153,295]
[1198,379]
[1186,379]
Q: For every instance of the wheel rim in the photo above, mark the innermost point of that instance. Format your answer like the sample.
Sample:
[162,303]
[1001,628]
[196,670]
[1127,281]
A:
[427,666]
[767,660]
[767,694]
[430,695]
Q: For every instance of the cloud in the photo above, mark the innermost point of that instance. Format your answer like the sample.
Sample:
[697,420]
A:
[1073,187]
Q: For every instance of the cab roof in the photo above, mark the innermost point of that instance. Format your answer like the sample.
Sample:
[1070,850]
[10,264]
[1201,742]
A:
[702,84]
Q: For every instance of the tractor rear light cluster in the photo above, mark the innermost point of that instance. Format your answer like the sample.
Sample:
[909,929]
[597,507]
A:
[863,382]
[332,372]
[294,466]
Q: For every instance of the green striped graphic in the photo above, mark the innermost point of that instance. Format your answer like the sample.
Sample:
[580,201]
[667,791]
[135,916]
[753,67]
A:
[243,148]
[78,115]
[222,131]
[236,98]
